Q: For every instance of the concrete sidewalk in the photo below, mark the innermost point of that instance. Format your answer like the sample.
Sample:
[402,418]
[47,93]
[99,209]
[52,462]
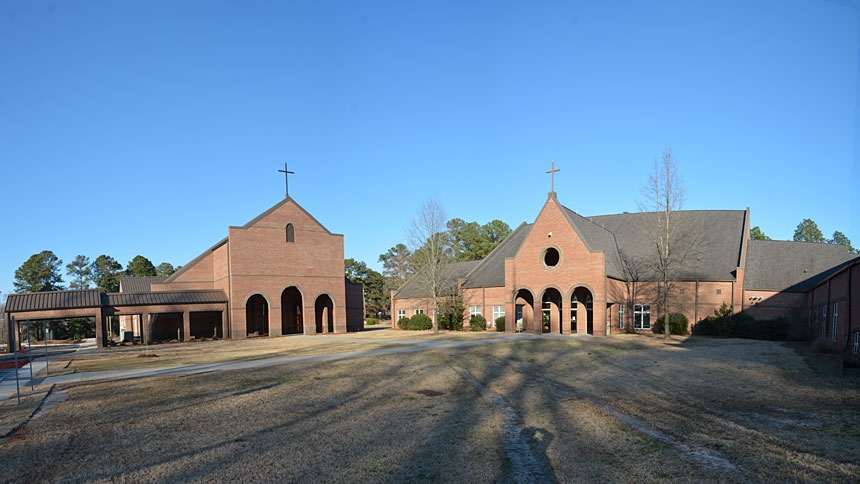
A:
[8,388]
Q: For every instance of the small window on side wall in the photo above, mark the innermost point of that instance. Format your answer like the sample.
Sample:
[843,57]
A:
[291,233]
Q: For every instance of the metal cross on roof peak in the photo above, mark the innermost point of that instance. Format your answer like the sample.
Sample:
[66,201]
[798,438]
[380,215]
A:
[287,174]
[552,172]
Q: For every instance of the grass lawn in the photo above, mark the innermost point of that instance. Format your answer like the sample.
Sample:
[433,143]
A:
[617,409]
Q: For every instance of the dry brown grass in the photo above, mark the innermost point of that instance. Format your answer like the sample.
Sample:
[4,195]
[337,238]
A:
[164,355]
[756,404]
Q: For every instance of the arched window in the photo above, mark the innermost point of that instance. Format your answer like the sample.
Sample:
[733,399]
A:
[291,233]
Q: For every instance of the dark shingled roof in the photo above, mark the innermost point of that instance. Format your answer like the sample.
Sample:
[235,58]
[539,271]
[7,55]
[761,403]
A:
[713,245]
[37,301]
[491,271]
[451,274]
[139,284]
[598,239]
[778,265]
[716,245]
[165,297]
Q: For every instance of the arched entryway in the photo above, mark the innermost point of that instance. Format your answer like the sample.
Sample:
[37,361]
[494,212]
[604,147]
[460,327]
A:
[324,314]
[524,302]
[257,316]
[551,310]
[582,306]
[291,311]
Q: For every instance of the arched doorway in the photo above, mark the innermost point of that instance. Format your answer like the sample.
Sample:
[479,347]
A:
[324,314]
[582,306]
[524,302]
[551,310]
[257,316]
[291,311]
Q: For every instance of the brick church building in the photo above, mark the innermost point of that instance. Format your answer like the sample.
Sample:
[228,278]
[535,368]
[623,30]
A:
[566,273]
[281,273]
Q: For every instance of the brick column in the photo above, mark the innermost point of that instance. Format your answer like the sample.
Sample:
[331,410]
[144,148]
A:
[186,325]
[598,312]
[565,316]
[581,318]
[146,328]
[101,339]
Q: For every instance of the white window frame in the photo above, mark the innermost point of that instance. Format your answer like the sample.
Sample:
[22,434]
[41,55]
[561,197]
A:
[639,313]
[856,341]
[835,321]
[824,320]
[498,312]
[621,316]
[474,311]
[419,311]
[401,314]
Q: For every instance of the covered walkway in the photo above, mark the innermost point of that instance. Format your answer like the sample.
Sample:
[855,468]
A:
[164,314]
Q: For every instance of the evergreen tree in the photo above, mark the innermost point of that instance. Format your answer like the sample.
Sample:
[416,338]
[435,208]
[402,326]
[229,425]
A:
[396,265]
[80,272]
[842,239]
[375,295]
[105,273]
[165,269]
[808,231]
[757,234]
[140,266]
[40,273]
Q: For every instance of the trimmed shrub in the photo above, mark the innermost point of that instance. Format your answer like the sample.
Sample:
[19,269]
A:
[404,323]
[725,324]
[677,324]
[500,323]
[371,321]
[452,321]
[421,322]
[477,323]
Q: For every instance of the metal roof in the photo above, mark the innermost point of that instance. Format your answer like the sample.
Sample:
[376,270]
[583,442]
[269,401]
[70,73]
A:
[39,301]
[140,283]
[92,298]
[158,298]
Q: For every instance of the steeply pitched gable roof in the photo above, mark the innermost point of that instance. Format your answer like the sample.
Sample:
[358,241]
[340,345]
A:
[713,241]
[779,265]
[491,271]
[597,239]
[451,274]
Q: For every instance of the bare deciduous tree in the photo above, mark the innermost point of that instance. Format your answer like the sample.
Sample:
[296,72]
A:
[664,195]
[430,252]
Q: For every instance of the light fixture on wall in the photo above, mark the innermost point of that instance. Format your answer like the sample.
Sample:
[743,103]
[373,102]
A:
[549,234]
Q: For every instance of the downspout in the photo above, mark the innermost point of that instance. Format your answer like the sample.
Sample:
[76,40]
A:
[733,296]
[848,333]
[229,322]
[696,304]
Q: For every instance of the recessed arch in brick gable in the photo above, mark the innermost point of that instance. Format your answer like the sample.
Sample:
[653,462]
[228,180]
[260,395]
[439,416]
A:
[292,319]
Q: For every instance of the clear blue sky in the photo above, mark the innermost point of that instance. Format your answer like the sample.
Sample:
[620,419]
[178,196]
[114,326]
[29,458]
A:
[150,127]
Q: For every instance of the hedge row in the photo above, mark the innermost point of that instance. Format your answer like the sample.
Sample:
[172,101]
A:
[724,323]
